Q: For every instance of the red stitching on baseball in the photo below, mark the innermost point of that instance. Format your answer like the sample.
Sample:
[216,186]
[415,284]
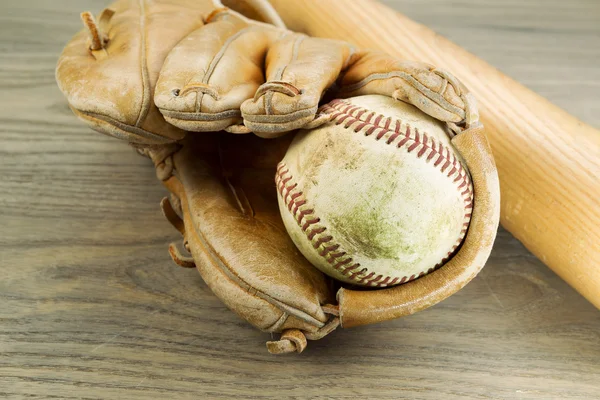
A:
[352,110]
[345,265]
[334,256]
[403,141]
[344,117]
[321,240]
[360,126]
[395,134]
[310,222]
[298,204]
[341,111]
[352,268]
[365,279]
[342,263]
[285,180]
[293,198]
[374,280]
[328,250]
[370,130]
[354,274]
[302,214]
[388,123]
[315,232]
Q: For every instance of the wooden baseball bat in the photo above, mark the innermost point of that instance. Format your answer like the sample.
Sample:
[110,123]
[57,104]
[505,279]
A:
[548,161]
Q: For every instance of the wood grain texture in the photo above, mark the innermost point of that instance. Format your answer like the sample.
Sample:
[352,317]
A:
[91,307]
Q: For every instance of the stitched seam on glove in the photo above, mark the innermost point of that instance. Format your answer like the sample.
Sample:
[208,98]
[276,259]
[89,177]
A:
[281,118]
[439,98]
[201,116]
[218,262]
[123,131]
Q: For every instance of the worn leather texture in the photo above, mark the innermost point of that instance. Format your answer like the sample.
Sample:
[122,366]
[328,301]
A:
[376,197]
[232,226]
[361,307]
[205,92]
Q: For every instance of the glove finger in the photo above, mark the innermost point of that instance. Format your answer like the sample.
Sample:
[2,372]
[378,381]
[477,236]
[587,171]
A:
[299,71]
[208,75]
[108,71]
[433,91]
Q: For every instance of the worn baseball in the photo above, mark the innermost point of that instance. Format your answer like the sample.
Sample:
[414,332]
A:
[376,197]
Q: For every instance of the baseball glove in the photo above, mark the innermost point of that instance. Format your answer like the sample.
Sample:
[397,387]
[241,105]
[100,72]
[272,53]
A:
[153,72]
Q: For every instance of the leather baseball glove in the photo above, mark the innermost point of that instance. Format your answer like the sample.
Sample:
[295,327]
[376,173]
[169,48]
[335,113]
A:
[206,89]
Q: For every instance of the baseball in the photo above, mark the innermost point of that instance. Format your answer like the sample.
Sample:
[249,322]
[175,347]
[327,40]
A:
[376,197]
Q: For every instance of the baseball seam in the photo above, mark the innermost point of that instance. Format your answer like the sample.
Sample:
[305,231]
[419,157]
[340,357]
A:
[378,126]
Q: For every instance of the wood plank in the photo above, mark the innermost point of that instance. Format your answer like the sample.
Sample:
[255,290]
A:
[92,307]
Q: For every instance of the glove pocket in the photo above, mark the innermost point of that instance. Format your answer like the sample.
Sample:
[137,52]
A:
[241,250]
[365,307]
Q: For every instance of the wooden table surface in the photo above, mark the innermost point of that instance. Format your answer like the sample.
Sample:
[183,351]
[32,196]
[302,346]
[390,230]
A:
[92,307]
